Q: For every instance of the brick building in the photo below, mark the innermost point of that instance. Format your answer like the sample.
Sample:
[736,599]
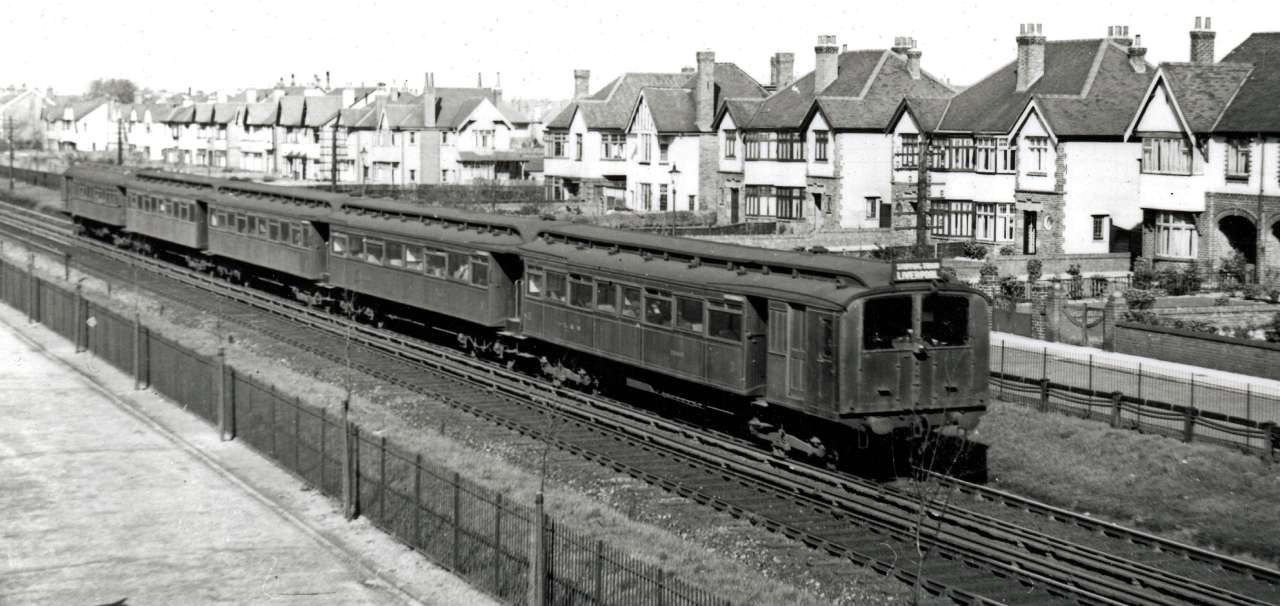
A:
[815,152]
[1209,178]
[1033,156]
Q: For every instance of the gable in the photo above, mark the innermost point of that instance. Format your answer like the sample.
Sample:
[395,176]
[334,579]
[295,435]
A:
[727,123]
[906,125]
[642,119]
[1158,115]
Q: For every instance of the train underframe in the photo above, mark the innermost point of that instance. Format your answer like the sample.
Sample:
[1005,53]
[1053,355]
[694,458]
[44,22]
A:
[872,445]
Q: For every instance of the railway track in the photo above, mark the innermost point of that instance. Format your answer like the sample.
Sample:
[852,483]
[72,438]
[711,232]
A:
[974,557]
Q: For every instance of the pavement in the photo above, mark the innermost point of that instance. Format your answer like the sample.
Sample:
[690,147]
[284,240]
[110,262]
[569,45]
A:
[128,499]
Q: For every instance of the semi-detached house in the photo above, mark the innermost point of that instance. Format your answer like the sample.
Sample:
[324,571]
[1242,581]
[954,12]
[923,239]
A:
[1209,170]
[1034,156]
[618,147]
[816,153]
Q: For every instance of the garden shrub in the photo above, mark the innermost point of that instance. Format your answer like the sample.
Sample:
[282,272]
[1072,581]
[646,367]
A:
[973,250]
[1139,298]
[1253,292]
[1008,249]
[1234,267]
[1033,269]
[1011,287]
[1272,331]
[989,272]
[1143,276]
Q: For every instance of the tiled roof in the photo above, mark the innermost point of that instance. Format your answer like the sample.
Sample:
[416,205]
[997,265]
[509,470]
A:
[321,110]
[1089,88]
[204,113]
[611,106]
[1255,107]
[868,87]
[1203,90]
[263,114]
[181,115]
[925,112]
[79,108]
[512,114]
[225,113]
[673,109]
[498,156]
[454,111]
[291,110]
[365,117]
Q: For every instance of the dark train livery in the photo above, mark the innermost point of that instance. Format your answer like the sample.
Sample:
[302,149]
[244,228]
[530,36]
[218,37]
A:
[815,353]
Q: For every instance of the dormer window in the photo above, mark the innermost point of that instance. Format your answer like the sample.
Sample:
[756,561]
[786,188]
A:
[1238,160]
[1165,156]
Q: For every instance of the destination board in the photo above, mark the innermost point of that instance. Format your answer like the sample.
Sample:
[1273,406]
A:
[917,271]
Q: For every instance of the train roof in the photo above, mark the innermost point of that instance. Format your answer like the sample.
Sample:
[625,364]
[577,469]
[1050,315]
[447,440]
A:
[296,193]
[117,177]
[865,273]
[178,179]
[493,232]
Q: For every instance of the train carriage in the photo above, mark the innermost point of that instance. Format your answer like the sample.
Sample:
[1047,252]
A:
[288,235]
[168,209]
[97,195]
[457,264]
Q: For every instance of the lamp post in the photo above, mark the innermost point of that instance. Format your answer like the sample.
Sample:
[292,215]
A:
[364,153]
[209,157]
[671,208]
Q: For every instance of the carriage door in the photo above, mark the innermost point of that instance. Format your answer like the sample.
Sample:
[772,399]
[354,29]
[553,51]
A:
[797,351]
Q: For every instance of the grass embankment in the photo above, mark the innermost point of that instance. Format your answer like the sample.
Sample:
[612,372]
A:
[30,196]
[1195,493]
[712,551]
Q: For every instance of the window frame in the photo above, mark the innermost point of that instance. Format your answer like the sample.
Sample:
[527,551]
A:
[659,296]
[821,140]
[725,307]
[699,327]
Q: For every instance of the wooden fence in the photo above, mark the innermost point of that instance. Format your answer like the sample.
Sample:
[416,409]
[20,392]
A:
[511,550]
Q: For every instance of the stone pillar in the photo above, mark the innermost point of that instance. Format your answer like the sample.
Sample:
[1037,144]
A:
[1111,311]
[1046,311]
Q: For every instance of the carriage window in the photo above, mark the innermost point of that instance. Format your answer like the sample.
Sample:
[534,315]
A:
[606,297]
[242,223]
[657,307]
[944,320]
[460,267]
[479,270]
[555,286]
[630,302]
[826,338]
[437,263]
[355,247]
[413,258]
[580,290]
[273,230]
[724,320]
[373,252]
[886,323]
[215,219]
[689,314]
[537,283]
[262,227]
[395,254]
[298,234]
[184,212]
[339,243]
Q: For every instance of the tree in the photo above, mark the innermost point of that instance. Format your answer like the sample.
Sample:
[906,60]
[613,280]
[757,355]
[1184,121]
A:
[120,90]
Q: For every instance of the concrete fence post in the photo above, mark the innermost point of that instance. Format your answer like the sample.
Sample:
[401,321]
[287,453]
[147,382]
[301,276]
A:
[66,267]
[1044,395]
[497,544]
[78,319]
[222,397]
[417,500]
[137,352]
[1189,415]
[538,555]
[1110,315]
[350,474]
[1271,440]
[1115,409]
[457,521]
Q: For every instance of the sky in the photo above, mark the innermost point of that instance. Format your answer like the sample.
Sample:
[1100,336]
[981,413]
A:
[534,46]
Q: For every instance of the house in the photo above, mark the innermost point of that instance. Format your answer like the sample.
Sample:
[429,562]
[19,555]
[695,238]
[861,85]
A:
[1033,156]
[670,164]
[607,147]
[145,132]
[25,107]
[80,125]
[1209,139]
[815,153]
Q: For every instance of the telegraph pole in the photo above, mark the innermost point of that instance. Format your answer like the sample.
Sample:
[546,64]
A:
[333,158]
[922,193]
[119,142]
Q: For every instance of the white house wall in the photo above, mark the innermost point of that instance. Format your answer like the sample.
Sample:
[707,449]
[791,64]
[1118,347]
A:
[1158,116]
[866,168]
[1044,179]
[1261,156]
[734,164]
[1102,180]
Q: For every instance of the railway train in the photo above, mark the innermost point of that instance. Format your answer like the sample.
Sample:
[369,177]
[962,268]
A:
[817,355]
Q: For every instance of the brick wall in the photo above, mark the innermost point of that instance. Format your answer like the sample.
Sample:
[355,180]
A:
[1245,356]
[708,171]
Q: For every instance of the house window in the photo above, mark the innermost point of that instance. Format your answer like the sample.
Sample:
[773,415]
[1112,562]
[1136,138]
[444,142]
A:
[664,149]
[1099,227]
[985,160]
[820,145]
[954,153]
[613,146]
[907,152]
[577,150]
[1238,159]
[413,138]
[1165,155]
[646,147]
[790,202]
[484,139]
[993,222]
[1006,156]
[730,144]
[662,197]
[760,145]
[413,175]
[952,218]
[790,145]
[873,207]
[555,145]
[772,202]
[646,196]
[1038,147]
[1176,235]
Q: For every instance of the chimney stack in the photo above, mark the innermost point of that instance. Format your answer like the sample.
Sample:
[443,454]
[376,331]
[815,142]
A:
[913,59]
[581,83]
[826,64]
[704,92]
[1030,55]
[782,70]
[1202,41]
[429,100]
[1138,55]
[1119,34]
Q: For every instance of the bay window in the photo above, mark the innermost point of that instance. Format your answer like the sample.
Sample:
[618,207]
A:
[952,218]
[556,145]
[1176,235]
[907,153]
[613,146]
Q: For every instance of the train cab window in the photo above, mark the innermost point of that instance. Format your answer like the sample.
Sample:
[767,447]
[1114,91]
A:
[944,320]
[537,283]
[886,323]
[657,307]
[581,290]
[479,270]
[373,252]
[395,254]
[606,297]
[273,230]
[253,226]
[215,219]
[689,314]
[630,302]
[724,320]
[413,258]
[339,244]
[555,286]
[460,267]
[437,263]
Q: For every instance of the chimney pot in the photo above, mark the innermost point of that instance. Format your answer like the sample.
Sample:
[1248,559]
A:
[826,63]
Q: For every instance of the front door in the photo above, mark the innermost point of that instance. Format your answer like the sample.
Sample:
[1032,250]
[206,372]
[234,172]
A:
[733,205]
[1029,218]
[886,215]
